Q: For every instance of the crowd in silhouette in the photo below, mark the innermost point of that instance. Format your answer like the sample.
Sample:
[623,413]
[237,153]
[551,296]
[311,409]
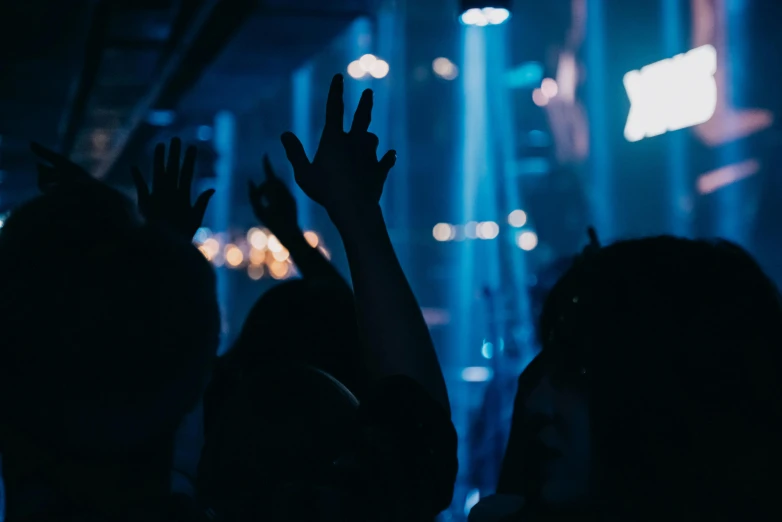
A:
[657,394]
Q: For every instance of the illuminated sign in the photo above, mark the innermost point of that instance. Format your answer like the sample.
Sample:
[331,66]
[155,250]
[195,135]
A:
[672,94]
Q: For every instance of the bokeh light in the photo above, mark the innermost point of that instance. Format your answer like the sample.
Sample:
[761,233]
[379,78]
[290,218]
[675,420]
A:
[279,269]
[443,232]
[527,240]
[205,252]
[471,16]
[201,235]
[257,250]
[257,257]
[233,255]
[485,16]
[540,99]
[496,16]
[549,87]
[380,69]
[211,246]
[367,62]
[257,238]
[517,218]
[255,272]
[274,244]
[488,230]
[355,70]
[445,68]
[282,255]
[477,374]
[487,350]
[312,238]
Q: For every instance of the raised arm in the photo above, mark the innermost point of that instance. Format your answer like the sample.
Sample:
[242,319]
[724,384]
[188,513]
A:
[347,179]
[275,207]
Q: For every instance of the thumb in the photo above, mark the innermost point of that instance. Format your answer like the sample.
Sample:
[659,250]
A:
[199,208]
[294,150]
[142,190]
[386,163]
[267,165]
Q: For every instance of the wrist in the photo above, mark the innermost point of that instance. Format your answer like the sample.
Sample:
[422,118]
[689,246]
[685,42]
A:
[352,215]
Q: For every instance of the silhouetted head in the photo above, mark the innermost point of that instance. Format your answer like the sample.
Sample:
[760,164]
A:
[101,357]
[662,387]
[306,322]
[545,280]
[268,430]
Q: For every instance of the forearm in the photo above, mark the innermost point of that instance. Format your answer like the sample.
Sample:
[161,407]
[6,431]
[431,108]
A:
[389,315]
[311,262]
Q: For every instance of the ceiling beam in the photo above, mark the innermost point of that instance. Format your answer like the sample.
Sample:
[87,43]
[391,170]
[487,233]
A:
[73,116]
[122,135]
[320,14]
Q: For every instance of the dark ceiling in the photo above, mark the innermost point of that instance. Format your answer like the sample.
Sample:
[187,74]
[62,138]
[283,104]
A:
[83,76]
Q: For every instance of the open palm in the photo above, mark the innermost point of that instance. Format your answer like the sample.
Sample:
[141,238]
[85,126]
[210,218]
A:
[345,169]
[169,200]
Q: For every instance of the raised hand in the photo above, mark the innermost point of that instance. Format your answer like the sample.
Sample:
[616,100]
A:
[59,171]
[345,170]
[273,204]
[169,201]
[347,179]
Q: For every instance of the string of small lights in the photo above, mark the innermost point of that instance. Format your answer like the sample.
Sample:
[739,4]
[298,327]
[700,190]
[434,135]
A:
[258,252]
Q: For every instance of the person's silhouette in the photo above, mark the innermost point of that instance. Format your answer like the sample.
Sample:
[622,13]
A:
[347,179]
[311,321]
[308,322]
[100,360]
[400,463]
[273,429]
[660,394]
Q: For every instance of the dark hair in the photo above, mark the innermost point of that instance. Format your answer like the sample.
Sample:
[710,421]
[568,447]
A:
[307,322]
[269,427]
[520,471]
[100,352]
[681,341]
[519,474]
[544,281]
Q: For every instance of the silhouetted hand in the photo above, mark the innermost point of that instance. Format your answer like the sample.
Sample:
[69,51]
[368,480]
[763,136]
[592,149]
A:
[273,204]
[61,171]
[345,170]
[169,201]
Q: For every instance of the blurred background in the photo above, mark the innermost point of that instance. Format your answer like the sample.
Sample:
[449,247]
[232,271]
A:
[518,124]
